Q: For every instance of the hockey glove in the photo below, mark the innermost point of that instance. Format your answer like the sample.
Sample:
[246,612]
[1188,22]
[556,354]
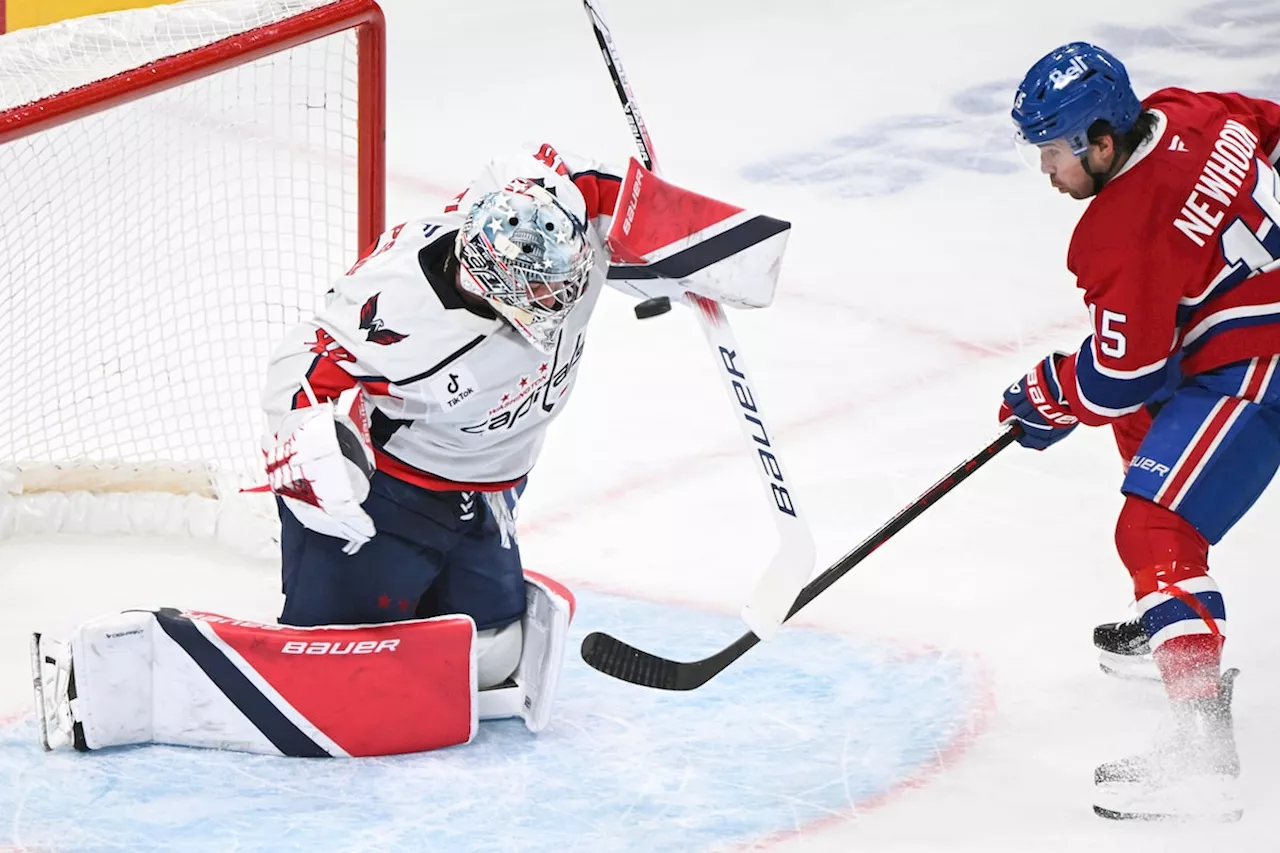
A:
[1036,402]
[319,464]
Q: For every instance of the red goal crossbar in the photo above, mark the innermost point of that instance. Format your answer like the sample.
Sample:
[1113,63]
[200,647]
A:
[364,16]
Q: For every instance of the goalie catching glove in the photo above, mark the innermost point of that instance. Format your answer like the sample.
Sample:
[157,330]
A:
[665,241]
[319,464]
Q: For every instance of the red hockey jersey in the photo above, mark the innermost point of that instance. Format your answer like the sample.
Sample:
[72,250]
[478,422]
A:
[1178,255]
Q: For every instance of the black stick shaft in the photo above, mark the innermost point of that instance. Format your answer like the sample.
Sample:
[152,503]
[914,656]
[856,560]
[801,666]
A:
[887,531]
[628,99]
[907,515]
[620,660]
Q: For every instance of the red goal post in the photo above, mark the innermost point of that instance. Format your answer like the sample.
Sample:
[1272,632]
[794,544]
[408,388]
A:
[178,185]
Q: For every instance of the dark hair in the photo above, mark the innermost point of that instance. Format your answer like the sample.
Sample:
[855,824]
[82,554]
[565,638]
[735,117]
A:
[1141,131]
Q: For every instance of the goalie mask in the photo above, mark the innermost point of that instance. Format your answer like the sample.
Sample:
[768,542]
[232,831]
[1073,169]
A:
[523,252]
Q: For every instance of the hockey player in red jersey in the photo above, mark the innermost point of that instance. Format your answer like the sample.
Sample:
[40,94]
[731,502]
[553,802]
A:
[1176,257]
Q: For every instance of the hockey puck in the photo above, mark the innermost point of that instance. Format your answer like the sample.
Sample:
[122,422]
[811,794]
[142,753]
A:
[653,307]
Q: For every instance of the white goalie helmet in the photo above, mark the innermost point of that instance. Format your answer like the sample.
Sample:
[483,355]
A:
[528,256]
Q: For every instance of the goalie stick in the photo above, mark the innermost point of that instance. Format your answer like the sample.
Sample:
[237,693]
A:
[793,562]
[620,660]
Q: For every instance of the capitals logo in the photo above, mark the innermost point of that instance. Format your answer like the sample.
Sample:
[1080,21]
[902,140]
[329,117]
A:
[370,322]
[539,398]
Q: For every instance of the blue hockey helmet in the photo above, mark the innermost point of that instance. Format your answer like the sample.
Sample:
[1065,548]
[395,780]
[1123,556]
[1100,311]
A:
[1069,89]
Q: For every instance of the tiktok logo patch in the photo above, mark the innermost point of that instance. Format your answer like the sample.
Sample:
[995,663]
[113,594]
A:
[453,388]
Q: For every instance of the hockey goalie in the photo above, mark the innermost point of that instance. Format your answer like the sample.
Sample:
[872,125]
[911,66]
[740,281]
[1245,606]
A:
[403,422]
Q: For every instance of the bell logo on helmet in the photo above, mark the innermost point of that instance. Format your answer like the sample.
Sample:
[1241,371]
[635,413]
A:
[1075,69]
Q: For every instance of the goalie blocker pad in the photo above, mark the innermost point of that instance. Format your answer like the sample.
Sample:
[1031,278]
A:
[198,679]
[666,240]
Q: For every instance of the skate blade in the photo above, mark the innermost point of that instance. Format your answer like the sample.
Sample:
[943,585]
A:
[1207,798]
[1129,667]
[37,679]
[1221,817]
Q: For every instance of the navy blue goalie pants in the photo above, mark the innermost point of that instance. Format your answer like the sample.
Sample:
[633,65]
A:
[435,553]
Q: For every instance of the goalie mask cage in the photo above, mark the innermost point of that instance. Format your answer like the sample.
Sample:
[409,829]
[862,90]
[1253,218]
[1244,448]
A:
[178,185]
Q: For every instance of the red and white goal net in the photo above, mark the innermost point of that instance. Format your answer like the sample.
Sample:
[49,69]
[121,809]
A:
[178,185]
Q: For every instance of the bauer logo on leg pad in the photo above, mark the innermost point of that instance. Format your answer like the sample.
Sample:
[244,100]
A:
[350,647]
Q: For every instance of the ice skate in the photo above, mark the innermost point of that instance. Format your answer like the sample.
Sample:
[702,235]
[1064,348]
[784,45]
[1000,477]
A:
[1124,651]
[54,684]
[1191,774]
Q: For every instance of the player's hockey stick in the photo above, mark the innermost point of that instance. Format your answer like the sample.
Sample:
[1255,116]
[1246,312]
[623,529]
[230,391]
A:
[614,657]
[793,562]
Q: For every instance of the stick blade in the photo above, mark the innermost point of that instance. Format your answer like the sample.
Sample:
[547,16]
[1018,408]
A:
[627,663]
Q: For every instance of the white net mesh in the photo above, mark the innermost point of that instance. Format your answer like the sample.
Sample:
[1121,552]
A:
[155,252]
[37,63]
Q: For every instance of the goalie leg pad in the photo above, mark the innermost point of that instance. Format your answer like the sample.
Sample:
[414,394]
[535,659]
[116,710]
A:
[51,676]
[545,628]
[202,680]
[548,611]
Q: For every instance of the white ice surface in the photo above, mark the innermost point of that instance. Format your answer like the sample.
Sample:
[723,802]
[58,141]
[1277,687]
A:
[900,318]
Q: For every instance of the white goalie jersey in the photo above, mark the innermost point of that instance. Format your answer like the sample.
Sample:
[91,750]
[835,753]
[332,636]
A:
[459,400]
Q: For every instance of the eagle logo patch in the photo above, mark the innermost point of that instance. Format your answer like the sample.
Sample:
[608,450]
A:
[378,333]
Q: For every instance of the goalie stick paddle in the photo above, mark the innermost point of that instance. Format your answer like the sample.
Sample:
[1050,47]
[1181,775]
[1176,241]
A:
[622,661]
[792,564]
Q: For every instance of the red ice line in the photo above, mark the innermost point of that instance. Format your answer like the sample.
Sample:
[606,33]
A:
[950,754]
[979,717]
[678,469]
